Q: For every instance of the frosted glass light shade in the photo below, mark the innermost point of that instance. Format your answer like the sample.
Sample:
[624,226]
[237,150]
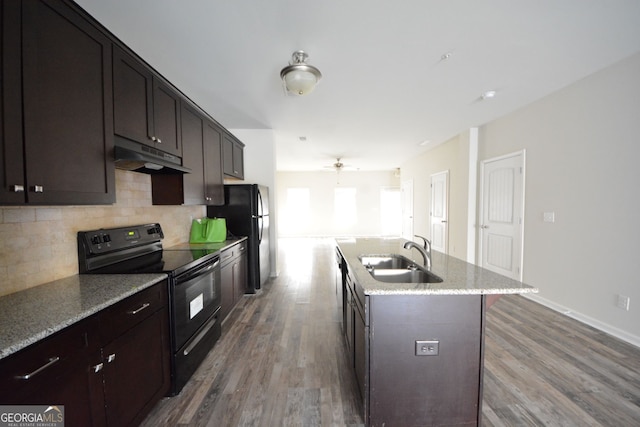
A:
[299,77]
[300,81]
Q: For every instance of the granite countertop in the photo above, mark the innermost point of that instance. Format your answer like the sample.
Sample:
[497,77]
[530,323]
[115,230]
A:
[459,277]
[35,313]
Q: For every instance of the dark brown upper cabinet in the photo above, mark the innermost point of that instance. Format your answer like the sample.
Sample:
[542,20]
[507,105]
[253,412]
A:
[212,148]
[57,133]
[232,157]
[145,109]
[201,152]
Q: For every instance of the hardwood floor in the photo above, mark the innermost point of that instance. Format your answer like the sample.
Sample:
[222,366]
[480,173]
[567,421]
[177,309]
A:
[281,362]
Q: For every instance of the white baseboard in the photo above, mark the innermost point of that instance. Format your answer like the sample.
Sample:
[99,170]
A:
[611,330]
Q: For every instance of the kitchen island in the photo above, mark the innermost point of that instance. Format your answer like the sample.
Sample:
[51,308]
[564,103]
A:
[417,348]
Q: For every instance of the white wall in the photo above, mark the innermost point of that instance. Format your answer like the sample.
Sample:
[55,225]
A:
[321,185]
[453,155]
[583,154]
[259,167]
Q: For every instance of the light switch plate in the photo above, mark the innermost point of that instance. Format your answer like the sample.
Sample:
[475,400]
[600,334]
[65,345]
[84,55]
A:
[427,348]
[549,217]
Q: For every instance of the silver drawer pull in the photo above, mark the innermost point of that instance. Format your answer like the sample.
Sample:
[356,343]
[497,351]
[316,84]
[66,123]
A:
[17,188]
[142,307]
[97,368]
[51,361]
[111,358]
[38,189]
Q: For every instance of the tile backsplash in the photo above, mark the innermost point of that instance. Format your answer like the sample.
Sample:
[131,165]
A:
[38,243]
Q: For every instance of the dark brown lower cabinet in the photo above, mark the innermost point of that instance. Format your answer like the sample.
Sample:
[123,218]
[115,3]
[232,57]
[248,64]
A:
[397,386]
[233,276]
[102,379]
[57,371]
[425,390]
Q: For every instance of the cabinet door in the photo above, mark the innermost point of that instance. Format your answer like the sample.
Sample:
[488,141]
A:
[226,278]
[132,99]
[136,371]
[166,119]
[11,157]
[360,336]
[213,180]
[192,156]
[240,274]
[67,107]
[238,160]
[348,325]
[227,155]
[232,157]
[58,371]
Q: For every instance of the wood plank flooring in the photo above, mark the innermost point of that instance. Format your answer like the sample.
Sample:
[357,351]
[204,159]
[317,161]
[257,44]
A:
[281,362]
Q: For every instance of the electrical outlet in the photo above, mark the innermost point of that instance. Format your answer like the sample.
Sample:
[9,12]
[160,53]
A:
[427,348]
[549,217]
[623,302]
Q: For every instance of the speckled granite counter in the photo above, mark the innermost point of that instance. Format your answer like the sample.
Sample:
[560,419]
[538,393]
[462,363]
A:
[33,314]
[459,277]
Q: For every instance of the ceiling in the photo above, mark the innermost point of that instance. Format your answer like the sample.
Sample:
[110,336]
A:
[386,87]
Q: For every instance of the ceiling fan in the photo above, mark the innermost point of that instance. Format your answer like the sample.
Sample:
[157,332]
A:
[338,166]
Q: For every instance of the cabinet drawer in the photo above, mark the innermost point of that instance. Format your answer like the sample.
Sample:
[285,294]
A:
[126,314]
[29,371]
[232,253]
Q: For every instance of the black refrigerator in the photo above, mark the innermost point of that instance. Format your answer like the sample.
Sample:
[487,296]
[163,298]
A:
[246,211]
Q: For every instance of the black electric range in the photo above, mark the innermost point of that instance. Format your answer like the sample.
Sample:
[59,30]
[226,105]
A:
[193,286]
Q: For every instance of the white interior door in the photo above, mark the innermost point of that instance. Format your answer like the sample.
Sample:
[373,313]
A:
[502,215]
[439,211]
[406,187]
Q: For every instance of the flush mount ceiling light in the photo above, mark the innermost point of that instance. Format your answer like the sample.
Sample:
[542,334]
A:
[489,94]
[298,77]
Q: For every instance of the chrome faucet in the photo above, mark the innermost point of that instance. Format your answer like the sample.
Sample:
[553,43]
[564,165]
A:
[426,257]
[426,245]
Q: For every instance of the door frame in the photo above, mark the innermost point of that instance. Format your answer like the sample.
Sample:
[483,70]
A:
[445,249]
[407,199]
[523,154]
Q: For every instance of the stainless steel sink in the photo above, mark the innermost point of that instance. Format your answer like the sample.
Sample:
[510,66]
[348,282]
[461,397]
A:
[395,268]
[405,276]
[392,261]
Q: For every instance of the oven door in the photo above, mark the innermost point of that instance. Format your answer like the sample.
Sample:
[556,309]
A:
[196,297]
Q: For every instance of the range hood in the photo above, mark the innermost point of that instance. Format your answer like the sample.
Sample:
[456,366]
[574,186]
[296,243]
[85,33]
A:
[133,156]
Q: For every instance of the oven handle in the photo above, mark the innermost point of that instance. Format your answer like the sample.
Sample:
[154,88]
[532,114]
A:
[199,272]
[206,328]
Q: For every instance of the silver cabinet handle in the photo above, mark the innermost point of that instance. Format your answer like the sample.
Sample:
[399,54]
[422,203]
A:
[17,188]
[30,375]
[208,199]
[97,368]
[37,189]
[111,358]
[153,138]
[139,309]
[158,140]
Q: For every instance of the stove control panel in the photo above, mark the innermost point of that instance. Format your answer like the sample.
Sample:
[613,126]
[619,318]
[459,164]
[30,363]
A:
[105,240]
